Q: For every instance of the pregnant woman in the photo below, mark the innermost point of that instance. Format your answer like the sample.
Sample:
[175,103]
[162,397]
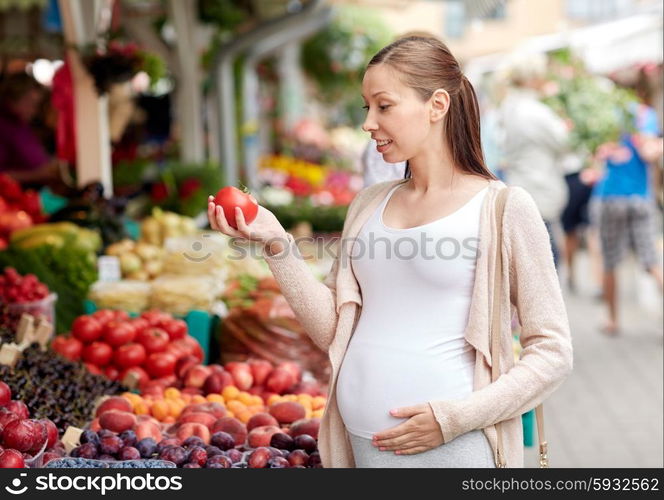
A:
[405,312]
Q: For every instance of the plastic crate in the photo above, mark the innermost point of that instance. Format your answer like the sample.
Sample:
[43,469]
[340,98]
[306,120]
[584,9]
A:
[528,420]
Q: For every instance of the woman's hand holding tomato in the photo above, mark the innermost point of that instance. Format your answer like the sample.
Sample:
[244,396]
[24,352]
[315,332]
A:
[264,229]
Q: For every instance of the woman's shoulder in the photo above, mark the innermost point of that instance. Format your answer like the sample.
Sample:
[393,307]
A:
[369,193]
[519,199]
[521,216]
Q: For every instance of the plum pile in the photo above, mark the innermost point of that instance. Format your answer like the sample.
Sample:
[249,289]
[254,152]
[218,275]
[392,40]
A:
[56,388]
[194,453]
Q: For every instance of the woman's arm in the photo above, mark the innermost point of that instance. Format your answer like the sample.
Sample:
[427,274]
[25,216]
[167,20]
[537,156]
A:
[546,359]
[313,302]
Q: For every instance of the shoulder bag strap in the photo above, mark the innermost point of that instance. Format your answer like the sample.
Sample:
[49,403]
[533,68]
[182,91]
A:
[496,332]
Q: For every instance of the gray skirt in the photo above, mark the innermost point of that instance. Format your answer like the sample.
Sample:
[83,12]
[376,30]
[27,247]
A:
[469,451]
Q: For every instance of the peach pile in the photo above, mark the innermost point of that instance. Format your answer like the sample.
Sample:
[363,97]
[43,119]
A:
[257,377]
[168,407]
[232,429]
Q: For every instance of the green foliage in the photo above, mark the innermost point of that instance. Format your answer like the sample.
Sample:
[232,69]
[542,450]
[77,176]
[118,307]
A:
[323,219]
[239,294]
[68,271]
[599,110]
[153,65]
[336,57]
[225,14]
[21,4]
[189,185]
[130,173]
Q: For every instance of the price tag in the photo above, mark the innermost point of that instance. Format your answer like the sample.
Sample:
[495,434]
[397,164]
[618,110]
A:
[109,268]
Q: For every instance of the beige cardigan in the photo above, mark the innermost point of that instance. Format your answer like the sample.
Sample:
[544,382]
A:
[329,311]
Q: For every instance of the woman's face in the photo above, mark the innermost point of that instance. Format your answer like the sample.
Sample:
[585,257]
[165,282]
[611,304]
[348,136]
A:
[397,118]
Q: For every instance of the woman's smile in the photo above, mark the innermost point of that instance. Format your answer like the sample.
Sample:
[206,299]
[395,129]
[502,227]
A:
[383,146]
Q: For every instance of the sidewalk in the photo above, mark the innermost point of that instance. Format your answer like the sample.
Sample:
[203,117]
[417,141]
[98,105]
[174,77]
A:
[608,413]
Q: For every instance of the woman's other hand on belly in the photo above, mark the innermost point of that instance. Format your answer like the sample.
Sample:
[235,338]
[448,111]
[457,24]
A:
[419,433]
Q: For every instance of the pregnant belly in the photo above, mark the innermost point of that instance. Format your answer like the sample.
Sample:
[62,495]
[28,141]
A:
[376,379]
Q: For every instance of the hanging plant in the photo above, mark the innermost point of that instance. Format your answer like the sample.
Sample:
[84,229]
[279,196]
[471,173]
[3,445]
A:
[599,110]
[119,63]
[336,57]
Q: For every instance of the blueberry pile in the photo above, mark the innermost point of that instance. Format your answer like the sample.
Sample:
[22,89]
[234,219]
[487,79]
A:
[142,464]
[56,388]
[85,463]
[75,463]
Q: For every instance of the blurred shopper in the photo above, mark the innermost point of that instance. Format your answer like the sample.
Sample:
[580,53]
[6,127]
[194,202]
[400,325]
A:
[535,139]
[376,170]
[22,155]
[624,205]
[575,216]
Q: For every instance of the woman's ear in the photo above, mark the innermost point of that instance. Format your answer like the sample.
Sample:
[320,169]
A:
[440,104]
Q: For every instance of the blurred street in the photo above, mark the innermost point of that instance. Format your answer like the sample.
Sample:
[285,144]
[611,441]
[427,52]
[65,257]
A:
[609,412]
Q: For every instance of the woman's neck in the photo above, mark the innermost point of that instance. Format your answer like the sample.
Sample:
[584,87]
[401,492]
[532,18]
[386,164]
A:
[433,170]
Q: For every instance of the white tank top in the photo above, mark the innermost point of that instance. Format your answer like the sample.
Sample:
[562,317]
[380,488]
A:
[408,346]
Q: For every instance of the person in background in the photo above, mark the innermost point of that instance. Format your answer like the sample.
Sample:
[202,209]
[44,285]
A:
[22,155]
[624,205]
[491,94]
[376,170]
[534,141]
[575,217]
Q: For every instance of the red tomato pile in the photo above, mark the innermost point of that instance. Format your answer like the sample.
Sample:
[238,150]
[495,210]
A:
[19,294]
[17,289]
[18,209]
[112,344]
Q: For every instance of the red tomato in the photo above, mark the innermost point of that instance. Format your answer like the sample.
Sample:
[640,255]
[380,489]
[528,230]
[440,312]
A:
[104,316]
[229,198]
[67,346]
[176,328]
[139,324]
[57,343]
[117,333]
[93,369]
[160,364]
[178,351]
[98,353]
[188,346]
[139,372]
[112,372]
[121,315]
[155,317]
[86,329]
[129,355]
[153,339]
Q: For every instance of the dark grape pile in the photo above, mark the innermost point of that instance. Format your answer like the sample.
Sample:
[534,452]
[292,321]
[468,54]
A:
[56,388]
[6,335]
